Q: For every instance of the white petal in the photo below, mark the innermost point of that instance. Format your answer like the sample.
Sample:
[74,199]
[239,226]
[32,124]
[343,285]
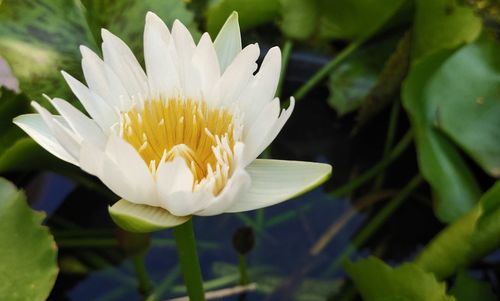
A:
[173,176]
[174,183]
[99,110]
[161,68]
[127,175]
[205,59]
[143,218]
[237,76]
[262,89]
[103,81]
[235,187]
[91,158]
[265,129]
[83,126]
[120,58]
[188,74]
[275,181]
[57,125]
[228,41]
[36,128]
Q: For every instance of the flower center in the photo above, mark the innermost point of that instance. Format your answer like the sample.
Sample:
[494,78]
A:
[202,136]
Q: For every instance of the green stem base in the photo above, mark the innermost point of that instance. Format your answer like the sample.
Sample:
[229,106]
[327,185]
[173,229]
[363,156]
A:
[188,257]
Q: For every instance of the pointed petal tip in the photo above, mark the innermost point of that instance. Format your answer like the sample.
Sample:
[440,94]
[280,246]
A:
[152,18]
[106,33]
[86,52]
[275,181]
[233,16]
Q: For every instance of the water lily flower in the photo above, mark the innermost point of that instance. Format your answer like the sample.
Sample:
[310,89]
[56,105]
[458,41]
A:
[182,137]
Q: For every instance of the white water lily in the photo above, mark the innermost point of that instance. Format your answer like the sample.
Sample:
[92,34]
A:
[182,138]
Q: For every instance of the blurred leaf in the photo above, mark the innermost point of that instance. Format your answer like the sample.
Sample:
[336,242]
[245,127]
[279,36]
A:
[467,288]
[442,24]
[465,240]
[250,13]
[126,18]
[11,105]
[486,237]
[353,79]
[38,39]
[454,187]
[377,281]
[451,249]
[336,19]
[25,155]
[299,18]
[388,83]
[28,251]
[467,95]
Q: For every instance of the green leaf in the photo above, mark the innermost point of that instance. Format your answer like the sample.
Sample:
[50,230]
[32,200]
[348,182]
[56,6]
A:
[337,19]
[465,240]
[38,39]
[299,18]
[454,188]
[442,25]
[143,218]
[25,155]
[451,249]
[465,91]
[377,281]
[251,13]
[467,288]
[352,80]
[28,254]
[125,18]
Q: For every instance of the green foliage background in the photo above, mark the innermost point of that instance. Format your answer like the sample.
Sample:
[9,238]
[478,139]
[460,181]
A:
[439,59]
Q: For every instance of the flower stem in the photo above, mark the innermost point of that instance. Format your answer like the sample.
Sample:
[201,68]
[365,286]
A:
[244,279]
[143,280]
[188,257]
[318,76]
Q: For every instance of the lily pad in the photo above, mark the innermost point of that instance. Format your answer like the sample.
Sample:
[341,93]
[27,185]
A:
[454,187]
[250,13]
[38,39]
[467,95]
[327,19]
[28,255]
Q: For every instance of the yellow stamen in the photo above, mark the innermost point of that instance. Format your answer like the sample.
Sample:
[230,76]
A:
[202,136]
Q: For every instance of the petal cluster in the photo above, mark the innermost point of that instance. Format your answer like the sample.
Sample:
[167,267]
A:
[181,134]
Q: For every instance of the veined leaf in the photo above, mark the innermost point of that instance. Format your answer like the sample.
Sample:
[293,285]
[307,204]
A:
[38,39]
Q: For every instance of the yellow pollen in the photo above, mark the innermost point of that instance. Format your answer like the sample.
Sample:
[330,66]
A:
[166,129]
